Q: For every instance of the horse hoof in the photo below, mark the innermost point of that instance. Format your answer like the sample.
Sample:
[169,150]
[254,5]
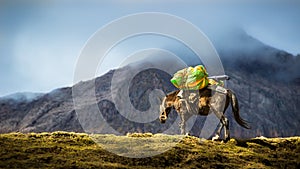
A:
[215,138]
[226,140]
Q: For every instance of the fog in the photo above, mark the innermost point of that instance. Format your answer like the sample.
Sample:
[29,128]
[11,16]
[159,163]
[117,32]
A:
[41,41]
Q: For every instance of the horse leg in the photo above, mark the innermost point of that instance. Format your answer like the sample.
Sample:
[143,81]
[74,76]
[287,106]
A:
[182,124]
[225,122]
[217,135]
[183,108]
[221,124]
[184,118]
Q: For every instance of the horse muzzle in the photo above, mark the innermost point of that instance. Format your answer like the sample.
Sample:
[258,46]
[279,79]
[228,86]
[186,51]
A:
[162,119]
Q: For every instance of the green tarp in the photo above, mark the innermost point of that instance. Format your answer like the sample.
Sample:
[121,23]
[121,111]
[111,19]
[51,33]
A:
[191,78]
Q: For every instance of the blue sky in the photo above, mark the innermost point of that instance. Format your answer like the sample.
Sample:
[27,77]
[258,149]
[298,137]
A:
[40,41]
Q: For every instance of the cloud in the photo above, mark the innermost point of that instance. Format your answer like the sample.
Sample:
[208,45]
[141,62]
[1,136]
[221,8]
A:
[42,40]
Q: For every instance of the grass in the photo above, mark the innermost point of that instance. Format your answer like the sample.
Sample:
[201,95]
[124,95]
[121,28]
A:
[77,150]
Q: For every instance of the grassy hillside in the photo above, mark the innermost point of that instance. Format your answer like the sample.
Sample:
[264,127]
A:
[73,150]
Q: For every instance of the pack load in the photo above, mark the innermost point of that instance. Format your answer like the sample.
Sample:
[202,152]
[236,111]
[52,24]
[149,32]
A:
[215,82]
[191,78]
[218,80]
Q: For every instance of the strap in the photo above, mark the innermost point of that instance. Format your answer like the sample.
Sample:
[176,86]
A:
[217,88]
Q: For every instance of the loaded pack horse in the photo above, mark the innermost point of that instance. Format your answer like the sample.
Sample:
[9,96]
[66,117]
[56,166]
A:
[201,102]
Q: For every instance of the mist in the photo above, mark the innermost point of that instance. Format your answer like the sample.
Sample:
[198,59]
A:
[22,97]
[41,41]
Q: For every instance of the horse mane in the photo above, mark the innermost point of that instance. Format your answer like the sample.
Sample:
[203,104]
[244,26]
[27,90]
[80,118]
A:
[172,95]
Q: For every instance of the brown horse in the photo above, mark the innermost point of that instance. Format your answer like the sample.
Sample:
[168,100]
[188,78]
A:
[200,102]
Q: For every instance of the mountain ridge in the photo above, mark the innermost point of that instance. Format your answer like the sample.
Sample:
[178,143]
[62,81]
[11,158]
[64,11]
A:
[269,102]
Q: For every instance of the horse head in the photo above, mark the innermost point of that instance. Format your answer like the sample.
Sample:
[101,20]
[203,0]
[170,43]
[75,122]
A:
[167,105]
[164,113]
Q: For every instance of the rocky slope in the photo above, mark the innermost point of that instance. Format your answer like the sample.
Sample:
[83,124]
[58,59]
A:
[265,80]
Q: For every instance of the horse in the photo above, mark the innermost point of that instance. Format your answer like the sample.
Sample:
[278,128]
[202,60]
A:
[199,102]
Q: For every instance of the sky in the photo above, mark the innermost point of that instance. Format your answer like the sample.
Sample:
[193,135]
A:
[40,41]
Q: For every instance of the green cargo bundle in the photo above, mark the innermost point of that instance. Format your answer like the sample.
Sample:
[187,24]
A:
[191,78]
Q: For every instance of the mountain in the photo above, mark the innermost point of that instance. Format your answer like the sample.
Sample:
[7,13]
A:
[48,112]
[265,79]
[245,53]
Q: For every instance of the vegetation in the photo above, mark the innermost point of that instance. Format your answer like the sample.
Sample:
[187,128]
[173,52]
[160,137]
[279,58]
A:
[76,150]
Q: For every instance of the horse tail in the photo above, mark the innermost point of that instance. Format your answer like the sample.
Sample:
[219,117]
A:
[236,111]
